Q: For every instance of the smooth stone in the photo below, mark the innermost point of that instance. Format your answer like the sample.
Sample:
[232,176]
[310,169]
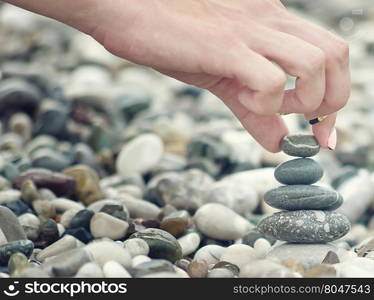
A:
[67,216]
[89,270]
[239,255]
[116,210]
[132,102]
[176,223]
[62,204]
[41,141]
[184,190]
[331,258]
[298,197]
[30,224]
[263,268]
[197,269]
[67,242]
[299,171]
[50,159]
[87,183]
[48,233]
[182,263]
[123,180]
[9,195]
[10,225]
[136,247]
[29,191]
[211,254]
[321,271]
[132,190]
[358,187]
[17,262]
[68,262]
[51,119]
[243,199]
[3,239]
[18,207]
[113,269]
[6,250]
[4,184]
[140,154]
[33,272]
[309,254]
[104,225]
[262,248]
[227,265]
[153,266]
[44,208]
[250,238]
[81,219]
[46,194]
[220,222]
[21,124]
[60,184]
[180,272]
[101,248]
[17,94]
[295,266]
[139,259]
[305,226]
[139,208]
[98,205]
[189,243]
[220,273]
[81,234]
[359,267]
[300,145]
[161,244]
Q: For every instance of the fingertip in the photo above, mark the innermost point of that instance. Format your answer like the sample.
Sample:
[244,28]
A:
[324,130]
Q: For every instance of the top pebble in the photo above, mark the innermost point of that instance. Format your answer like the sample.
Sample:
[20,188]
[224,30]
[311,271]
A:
[300,145]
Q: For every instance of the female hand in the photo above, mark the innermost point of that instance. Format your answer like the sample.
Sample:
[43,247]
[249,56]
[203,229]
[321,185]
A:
[239,50]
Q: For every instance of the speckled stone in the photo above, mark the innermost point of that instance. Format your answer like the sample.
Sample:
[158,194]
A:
[161,244]
[300,145]
[305,226]
[299,171]
[295,197]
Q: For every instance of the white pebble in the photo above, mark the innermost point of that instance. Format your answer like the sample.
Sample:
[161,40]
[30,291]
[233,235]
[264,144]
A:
[136,247]
[113,269]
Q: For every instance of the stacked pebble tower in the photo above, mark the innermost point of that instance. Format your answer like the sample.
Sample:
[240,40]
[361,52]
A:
[307,214]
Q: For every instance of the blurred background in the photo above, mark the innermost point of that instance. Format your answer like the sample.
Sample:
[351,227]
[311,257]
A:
[65,100]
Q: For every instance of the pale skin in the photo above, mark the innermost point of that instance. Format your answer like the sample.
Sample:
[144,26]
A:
[240,50]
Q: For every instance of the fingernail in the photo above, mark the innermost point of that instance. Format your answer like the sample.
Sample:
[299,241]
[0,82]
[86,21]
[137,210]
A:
[245,97]
[331,143]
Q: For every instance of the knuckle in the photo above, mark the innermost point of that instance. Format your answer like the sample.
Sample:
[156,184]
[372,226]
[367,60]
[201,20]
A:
[340,52]
[316,62]
[275,82]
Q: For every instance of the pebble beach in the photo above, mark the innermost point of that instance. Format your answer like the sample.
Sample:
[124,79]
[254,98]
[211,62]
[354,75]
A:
[108,169]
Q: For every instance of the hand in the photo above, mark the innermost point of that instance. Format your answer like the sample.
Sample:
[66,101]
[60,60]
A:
[228,47]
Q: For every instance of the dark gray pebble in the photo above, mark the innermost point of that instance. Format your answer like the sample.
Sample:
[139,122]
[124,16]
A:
[300,145]
[294,197]
[161,244]
[299,171]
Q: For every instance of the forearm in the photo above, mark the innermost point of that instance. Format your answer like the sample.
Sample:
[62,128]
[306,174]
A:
[81,14]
